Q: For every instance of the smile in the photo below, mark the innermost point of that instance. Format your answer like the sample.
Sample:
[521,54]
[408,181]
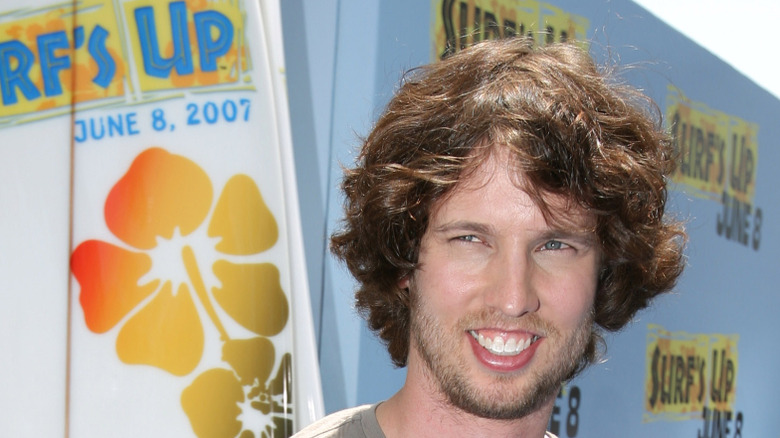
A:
[503,347]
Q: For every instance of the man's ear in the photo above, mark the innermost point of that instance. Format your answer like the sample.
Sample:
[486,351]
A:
[403,282]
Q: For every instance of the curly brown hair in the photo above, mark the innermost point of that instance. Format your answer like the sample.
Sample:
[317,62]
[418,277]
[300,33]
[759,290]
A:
[573,130]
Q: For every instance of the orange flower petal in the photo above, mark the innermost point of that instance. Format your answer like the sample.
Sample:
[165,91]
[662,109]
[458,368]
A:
[242,219]
[211,403]
[109,276]
[252,295]
[160,191]
[166,333]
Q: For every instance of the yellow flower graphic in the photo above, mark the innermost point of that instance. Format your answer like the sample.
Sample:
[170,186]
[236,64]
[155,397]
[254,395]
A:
[155,284]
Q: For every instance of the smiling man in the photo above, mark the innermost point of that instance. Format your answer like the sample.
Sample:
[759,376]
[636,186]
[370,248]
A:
[507,208]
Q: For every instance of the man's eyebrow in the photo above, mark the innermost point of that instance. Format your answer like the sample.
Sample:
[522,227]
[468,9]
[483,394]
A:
[464,225]
[584,235]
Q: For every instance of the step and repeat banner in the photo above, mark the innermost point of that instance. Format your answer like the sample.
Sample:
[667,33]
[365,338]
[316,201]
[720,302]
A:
[150,229]
[698,363]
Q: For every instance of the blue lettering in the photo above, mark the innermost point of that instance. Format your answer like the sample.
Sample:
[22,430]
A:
[97,128]
[115,125]
[92,129]
[210,49]
[78,37]
[11,78]
[154,64]
[51,64]
[99,52]
[80,138]
[131,124]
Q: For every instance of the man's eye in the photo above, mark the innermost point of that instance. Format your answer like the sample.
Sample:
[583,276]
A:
[468,238]
[553,245]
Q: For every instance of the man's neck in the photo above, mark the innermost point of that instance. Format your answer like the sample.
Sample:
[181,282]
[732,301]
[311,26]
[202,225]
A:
[419,409]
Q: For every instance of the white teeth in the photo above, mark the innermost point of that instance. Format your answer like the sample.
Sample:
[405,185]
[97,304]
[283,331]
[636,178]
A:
[501,347]
[498,345]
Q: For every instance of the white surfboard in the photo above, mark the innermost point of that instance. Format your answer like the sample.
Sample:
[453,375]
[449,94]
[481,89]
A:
[147,149]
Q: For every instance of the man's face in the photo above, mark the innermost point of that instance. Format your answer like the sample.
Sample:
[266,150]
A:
[502,301]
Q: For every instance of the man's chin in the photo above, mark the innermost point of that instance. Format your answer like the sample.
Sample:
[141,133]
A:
[511,403]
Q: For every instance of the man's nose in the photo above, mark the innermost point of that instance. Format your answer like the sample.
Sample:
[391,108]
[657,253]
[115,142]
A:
[512,290]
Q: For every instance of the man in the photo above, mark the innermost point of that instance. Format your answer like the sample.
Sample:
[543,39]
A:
[507,207]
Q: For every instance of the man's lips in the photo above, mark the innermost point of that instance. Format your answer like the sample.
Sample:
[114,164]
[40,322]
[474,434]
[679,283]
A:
[503,343]
[503,351]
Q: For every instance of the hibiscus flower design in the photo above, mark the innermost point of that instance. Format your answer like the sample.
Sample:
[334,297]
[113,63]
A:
[174,245]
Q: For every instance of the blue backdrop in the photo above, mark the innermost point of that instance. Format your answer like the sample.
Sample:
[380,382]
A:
[699,363]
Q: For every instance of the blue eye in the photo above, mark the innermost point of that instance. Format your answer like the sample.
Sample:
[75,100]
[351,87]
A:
[469,238]
[553,245]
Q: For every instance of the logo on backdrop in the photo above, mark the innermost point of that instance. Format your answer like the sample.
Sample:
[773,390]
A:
[565,417]
[179,267]
[456,24]
[51,57]
[692,376]
[718,156]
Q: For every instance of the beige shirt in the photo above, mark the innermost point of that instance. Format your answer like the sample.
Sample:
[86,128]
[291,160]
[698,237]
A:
[359,422]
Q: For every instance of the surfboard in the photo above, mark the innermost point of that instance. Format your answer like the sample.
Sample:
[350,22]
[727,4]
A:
[154,247]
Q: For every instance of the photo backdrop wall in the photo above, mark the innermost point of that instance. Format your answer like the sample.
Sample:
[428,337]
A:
[697,364]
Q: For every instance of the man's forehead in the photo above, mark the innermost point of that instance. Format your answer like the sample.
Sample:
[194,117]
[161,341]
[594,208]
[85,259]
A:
[559,210]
